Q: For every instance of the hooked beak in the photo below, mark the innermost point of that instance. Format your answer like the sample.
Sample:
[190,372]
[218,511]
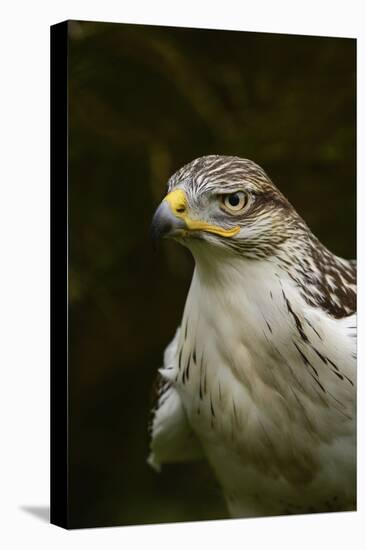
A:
[165,223]
[171,219]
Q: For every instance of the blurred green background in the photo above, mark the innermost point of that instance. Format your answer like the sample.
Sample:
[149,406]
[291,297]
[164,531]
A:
[143,101]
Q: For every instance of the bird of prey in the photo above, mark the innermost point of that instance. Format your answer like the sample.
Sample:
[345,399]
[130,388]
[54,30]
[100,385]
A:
[260,378]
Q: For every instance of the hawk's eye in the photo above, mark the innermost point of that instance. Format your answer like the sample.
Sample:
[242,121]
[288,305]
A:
[235,201]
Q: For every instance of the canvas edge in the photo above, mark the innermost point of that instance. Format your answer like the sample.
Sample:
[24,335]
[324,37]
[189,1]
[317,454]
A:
[59,422]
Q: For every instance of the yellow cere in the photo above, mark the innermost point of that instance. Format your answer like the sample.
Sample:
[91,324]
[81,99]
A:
[178,203]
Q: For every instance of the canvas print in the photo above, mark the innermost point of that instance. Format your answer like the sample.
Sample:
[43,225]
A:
[204,334]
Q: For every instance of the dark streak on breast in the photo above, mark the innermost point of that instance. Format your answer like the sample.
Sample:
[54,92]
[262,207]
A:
[319,384]
[186,330]
[349,380]
[319,355]
[296,319]
[158,396]
[188,366]
[205,382]
[211,406]
[311,326]
[337,369]
[333,364]
[305,359]
[185,376]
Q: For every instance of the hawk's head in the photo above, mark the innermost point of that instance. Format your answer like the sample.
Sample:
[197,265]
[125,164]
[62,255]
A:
[227,202]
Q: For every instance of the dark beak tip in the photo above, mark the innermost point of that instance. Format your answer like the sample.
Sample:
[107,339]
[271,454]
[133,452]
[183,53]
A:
[164,223]
[159,227]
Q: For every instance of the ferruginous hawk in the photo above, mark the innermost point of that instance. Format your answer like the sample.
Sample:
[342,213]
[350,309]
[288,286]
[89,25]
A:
[260,378]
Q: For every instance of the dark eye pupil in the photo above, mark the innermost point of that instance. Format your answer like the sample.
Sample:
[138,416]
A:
[234,199]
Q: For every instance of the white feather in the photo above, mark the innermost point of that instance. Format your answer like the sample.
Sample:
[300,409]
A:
[277,441]
[173,439]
